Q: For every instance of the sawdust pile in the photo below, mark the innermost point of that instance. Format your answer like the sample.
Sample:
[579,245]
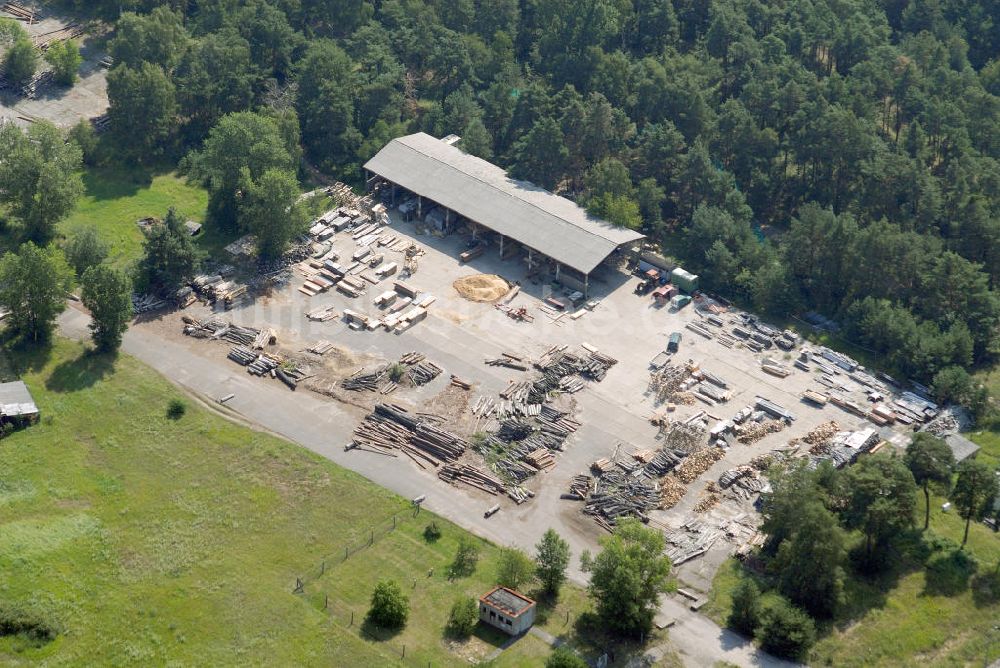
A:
[482,287]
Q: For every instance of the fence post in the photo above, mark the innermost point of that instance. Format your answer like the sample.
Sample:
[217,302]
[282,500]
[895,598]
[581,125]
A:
[326,602]
[322,569]
[393,521]
[352,618]
[404,651]
[371,540]
[346,554]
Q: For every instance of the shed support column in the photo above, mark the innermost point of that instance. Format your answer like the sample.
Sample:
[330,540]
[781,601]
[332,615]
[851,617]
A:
[530,264]
[586,285]
[394,194]
[558,267]
[420,206]
[501,246]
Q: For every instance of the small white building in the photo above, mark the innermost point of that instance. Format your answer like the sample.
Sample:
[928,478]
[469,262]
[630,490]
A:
[16,403]
[507,610]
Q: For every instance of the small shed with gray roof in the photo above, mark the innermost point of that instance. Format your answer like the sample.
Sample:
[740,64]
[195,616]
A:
[546,225]
[507,610]
[16,403]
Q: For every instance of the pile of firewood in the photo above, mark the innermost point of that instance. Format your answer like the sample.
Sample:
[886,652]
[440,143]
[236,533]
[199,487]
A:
[697,463]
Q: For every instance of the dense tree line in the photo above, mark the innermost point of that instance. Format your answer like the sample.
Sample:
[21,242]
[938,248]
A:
[839,157]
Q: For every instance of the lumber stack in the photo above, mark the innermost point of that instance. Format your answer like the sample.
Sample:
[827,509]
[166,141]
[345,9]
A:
[697,463]
[391,428]
[472,476]
[20,12]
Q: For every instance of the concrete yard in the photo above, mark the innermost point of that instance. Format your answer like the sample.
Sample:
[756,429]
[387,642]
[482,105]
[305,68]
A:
[459,335]
[63,106]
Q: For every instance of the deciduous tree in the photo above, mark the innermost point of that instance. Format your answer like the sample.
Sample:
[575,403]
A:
[33,286]
[931,462]
[627,577]
[551,559]
[85,249]
[974,492]
[39,177]
[269,209]
[515,569]
[390,607]
[107,293]
[65,59]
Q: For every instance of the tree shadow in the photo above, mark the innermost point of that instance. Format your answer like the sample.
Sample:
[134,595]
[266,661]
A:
[377,633]
[83,372]
[107,183]
[948,574]
[986,588]
[25,356]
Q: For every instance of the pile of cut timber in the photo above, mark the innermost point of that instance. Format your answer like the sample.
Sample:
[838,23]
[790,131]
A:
[20,12]
[472,476]
[697,463]
[390,428]
[821,433]
[672,491]
[751,432]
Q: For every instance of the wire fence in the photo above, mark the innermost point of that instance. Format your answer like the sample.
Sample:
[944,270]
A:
[343,615]
[362,542]
[354,621]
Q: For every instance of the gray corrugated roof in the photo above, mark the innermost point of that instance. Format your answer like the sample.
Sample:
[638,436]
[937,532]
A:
[16,400]
[507,599]
[483,192]
[960,446]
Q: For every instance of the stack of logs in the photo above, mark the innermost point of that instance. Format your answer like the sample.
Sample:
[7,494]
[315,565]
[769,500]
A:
[391,428]
[751,432]
[472,476]
[697,463]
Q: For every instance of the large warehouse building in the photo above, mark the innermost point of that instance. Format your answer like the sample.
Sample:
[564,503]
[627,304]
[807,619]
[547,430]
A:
[453,186]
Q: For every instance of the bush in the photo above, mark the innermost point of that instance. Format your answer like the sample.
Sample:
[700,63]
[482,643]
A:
[746,612]
[563,657]
[390,606]
[25,625]
[396,372]
[463,617]
[176,409]
[786,631]
[432,532]
[465,558]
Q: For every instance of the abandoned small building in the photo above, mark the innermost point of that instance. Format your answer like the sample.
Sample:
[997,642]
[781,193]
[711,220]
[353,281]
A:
[16,404]
[449,187]
[507,610]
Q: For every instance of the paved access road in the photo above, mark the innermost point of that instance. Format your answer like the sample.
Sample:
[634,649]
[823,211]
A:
[325,427]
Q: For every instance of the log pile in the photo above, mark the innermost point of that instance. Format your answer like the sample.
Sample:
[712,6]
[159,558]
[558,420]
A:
[417,371]
[697,463]
[821,433]
[751,432]
[744,481]
[665,382]
[146,303]
[472,476]
[692,540]
[20,12]
[672,491]
[589,364]
[216,329]
[710,499]
[390,428]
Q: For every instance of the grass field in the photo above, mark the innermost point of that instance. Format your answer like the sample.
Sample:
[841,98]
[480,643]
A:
[115,198]
[151,541]
[933,616]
